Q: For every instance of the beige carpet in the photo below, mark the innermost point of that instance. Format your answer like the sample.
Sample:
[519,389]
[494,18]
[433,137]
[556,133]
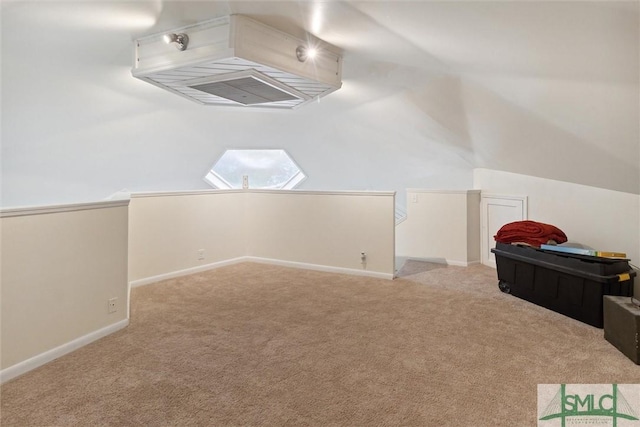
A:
[261,345]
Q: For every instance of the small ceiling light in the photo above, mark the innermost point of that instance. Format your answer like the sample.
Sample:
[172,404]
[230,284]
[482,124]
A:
[181,40]
[312,52]
[303,53]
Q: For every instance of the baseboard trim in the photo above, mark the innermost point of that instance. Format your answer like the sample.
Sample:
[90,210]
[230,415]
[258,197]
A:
[462,263]
[441,261]
[184,272]
[35,362]
[318,267]
[259,260]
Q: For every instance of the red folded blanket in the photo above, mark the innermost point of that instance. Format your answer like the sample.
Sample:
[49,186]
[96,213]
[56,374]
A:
[530,232]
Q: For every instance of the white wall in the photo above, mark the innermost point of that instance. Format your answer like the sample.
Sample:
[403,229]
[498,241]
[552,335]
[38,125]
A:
[60,266]
[322,230]
[431,90]
[85,128]
[443,225]
[166,231]
[573,131]
[602,219]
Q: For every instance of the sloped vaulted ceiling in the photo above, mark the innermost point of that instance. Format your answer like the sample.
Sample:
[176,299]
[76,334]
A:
[430,91]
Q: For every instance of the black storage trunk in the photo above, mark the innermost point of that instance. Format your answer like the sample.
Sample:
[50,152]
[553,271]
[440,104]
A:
[569,284]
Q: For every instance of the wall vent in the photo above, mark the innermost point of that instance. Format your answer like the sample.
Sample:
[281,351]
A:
[237,61]
[247,88]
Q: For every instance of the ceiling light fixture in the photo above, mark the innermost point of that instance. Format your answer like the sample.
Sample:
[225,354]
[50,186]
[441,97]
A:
[219,66]
[181,40]
[303,53]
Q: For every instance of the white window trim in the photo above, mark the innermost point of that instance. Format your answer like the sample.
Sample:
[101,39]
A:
[215,180]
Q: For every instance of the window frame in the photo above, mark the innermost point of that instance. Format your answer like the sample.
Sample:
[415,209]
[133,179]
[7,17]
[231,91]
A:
[215,180]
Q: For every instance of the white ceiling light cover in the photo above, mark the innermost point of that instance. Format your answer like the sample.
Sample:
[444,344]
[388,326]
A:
[236,61]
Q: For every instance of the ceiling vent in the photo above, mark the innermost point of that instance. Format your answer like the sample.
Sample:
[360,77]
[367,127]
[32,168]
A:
[236,61]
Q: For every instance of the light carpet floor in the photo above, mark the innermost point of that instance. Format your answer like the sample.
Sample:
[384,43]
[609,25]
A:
[261,345]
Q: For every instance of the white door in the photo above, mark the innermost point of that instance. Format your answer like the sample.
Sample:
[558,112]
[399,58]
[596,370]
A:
[496,211]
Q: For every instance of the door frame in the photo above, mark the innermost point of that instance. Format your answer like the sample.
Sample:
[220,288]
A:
[520,211]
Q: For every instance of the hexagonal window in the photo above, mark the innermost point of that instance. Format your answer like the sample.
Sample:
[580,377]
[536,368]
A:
[255,169]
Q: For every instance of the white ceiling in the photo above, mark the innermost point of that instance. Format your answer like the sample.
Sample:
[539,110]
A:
[461,36]
[476,82]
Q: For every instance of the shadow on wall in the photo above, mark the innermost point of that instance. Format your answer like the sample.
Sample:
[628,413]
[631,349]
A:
[512,138]
[442,103]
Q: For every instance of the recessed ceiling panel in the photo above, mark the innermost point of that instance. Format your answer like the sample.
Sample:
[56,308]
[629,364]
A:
[247,91]
[205,71]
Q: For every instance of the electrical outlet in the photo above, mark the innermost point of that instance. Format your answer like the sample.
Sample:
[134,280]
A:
[113,305]
[414,198]
[201,254]
[363,257]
